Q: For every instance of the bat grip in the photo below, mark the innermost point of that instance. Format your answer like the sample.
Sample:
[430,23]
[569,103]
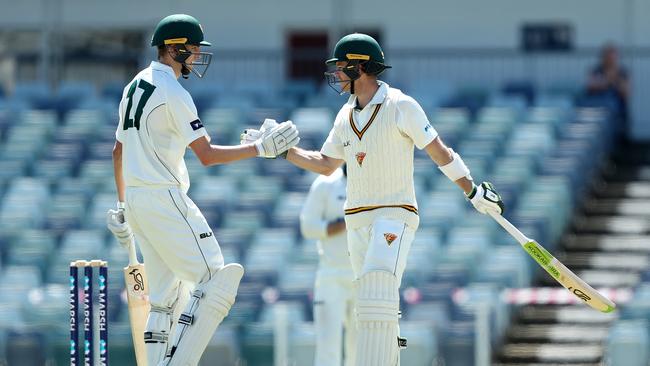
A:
[133,258]
[510,228]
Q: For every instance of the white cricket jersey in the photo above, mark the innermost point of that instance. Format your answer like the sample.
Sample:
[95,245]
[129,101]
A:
[158,120]
[323,205]
[377,144]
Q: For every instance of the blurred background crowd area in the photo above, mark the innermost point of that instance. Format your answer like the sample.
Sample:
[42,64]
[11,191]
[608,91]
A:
[507,84]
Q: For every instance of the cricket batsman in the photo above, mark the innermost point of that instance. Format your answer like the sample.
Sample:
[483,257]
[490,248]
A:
[157,122]
[374,134]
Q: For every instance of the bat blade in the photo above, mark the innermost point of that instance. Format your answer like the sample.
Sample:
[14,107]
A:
[557,270]
[567,278]
[137,293]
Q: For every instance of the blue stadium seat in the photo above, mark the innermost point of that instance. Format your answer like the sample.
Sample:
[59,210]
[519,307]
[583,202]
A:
[71,94]
[457,343]
[25,348]
[37,94]
[521,88]
[32,247]
[22,204]
[287,210]
[422,344]
[44,307]
[628,343]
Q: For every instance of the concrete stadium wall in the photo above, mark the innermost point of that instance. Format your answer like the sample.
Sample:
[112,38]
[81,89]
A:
[408,23]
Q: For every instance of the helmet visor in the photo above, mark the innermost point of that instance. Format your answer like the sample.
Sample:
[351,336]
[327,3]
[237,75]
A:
[197,62]
[340,77]
[200,63]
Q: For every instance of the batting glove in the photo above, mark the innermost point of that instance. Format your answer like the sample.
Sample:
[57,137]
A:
[485,198]
[250,135]
[278,140]
[117,224]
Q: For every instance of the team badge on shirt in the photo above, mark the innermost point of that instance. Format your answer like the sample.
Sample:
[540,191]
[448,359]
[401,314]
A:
[390,238]
[360,156]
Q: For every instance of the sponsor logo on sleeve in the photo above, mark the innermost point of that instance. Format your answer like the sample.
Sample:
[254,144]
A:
[196,124]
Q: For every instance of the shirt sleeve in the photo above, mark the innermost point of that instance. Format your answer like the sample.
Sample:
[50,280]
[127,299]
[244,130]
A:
[185,116]
[312,222]
[413,122]
[119,133]
[333,146]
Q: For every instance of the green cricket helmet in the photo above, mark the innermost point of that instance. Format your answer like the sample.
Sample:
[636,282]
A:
[361,52]
[180,30]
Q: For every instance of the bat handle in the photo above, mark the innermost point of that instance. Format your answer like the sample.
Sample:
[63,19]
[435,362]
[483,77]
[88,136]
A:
[510,228]
[133,258]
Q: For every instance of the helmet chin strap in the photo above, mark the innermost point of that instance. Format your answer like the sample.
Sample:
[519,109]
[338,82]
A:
[181,57]
[185,71]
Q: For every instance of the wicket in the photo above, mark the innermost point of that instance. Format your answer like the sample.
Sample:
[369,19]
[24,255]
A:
[88,316]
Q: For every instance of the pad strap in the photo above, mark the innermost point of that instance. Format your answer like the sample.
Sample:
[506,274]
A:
[155,337]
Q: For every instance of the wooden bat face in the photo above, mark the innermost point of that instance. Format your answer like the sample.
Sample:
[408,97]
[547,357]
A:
[137,292]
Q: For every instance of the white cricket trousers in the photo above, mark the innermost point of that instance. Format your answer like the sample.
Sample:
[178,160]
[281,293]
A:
[334,318]
[175,239]
[382,246]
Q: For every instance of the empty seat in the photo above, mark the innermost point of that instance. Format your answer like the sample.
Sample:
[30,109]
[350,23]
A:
[628,344]
[23,204]
[25,275]
[53,170]
[422,344]
[72,94]
[96,171]
[219,191]
[32,247]
[25,348]
[37,94]
[96,214]
[297,278]
[75,245]
[287,209]
[46,306]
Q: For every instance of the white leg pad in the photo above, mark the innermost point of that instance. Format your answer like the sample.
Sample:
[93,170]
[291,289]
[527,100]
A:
[377,308]
[207,308]
[156,333]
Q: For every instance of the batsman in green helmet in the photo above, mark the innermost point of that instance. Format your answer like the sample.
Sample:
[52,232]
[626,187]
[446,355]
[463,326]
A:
[354,55]
[158,122]
[179,37]
[375,134]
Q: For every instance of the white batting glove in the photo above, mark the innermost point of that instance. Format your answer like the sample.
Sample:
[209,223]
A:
[117,224]
[250,135]
[485,198]
[278,140]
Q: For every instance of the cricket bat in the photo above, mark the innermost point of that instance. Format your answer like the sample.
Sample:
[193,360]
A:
[557,270]
[137,293]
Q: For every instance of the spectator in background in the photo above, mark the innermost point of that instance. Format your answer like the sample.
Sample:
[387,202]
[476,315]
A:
[609,79]
[321,218]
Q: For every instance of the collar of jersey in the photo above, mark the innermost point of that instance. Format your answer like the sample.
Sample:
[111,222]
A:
[378,98]
[155,65]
